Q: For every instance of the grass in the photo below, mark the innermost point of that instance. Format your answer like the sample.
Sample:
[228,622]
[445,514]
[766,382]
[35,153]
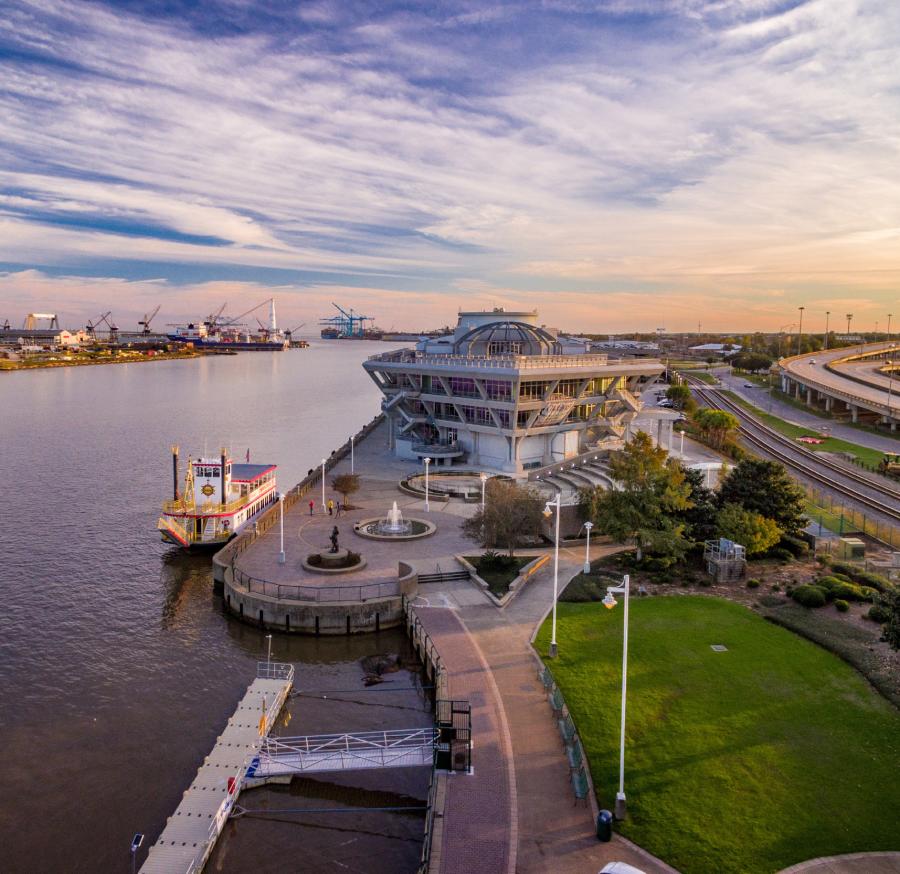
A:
[867,456]
[746,761]
[708,378]
[499,579]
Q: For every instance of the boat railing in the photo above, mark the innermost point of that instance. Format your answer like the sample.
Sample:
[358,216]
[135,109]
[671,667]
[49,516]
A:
[207,507]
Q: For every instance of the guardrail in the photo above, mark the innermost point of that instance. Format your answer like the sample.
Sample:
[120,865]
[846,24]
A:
[316,594]
[275,671]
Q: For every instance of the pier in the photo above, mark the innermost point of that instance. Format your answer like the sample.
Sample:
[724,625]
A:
[191,832]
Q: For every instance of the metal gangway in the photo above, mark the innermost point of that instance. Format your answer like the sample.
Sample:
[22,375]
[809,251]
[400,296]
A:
[289,756]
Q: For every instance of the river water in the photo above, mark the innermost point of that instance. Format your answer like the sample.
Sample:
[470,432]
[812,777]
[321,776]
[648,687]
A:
[118,668]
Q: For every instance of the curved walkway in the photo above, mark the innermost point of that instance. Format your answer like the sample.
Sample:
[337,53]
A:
[854,863]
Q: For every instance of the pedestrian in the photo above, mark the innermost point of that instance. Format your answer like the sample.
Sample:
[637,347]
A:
[312,505]
[330,507]
[337,509]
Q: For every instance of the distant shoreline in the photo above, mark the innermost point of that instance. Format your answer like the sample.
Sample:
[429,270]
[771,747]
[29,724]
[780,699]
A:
[7,366]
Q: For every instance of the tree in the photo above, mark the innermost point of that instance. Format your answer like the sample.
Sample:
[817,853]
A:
[752,361]
[652,491]
[681,397]
[764,487]
[891,602]
[700,515]
[345,484]
[753,531]
[511,515]
[717,426]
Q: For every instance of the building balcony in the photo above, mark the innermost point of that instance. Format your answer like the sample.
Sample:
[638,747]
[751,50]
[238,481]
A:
[439,450]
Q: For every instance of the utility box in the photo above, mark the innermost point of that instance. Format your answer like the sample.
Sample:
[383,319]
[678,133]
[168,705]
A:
[851,548]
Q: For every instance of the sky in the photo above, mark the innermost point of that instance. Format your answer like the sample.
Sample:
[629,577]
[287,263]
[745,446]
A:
[620,165]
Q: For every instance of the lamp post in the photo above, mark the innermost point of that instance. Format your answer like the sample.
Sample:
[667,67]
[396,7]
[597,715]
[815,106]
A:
[323,485]
[484,479]
[800,331]
[609,602]
[827,314]
[352,460]
[587,547]
[849,319]
[427,462]
[281,558]
[269,649]
[547,513]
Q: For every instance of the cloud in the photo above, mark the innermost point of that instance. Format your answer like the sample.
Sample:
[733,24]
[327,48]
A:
[669,150]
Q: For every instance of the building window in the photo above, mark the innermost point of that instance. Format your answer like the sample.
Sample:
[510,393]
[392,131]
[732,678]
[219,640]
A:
[498,389]
[533,390]
[463,387]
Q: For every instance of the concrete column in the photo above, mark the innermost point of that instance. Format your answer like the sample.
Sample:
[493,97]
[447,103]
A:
[797,390]
[827,404]
[810,397]
[666,435]
[854,412]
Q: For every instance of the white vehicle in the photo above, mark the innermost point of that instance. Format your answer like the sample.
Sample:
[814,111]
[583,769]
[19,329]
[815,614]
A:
[665,403]
[620,868]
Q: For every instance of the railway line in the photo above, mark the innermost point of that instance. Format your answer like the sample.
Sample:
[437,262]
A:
[883,498]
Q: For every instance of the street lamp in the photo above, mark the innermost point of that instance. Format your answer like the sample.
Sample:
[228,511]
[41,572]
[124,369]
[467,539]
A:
[269,650]
[609,602]
[800,331]
[587,547]
[547,513]
[352,460]
[427,462]
[849,319]
[484,479]
[827,314]
[281,504]
[323,485]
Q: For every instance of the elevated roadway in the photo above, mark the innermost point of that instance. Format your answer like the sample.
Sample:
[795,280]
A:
[850,381]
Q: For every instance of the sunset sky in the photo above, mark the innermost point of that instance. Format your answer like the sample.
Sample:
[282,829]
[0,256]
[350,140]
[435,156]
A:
[619,164]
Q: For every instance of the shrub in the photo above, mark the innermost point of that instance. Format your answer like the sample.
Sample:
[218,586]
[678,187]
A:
[315,559]
[776,587]
[858,575]
[772,601]
[841,606]
[796,546]
[878,613]
[828,582]
[779,553]
[809,596]
[752,584]
[852,592]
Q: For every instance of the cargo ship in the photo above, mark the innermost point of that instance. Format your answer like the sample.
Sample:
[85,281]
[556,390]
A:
[219,499]
[212,334]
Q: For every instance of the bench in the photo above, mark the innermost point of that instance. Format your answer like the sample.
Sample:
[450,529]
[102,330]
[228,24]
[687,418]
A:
[575,755]
[580,786]
[556,701]
[566,728]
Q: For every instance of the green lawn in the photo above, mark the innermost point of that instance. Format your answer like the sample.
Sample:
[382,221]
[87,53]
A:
[744,761]
[831,444]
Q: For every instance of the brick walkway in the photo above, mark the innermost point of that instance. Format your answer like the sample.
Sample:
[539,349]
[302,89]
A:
[479,817]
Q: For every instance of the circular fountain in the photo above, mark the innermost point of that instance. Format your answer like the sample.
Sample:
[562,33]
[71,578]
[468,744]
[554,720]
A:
[394,527]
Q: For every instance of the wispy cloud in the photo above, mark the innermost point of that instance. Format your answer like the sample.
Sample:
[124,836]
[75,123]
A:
[663,151]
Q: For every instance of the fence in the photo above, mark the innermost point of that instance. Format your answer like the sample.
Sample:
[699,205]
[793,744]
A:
[833,514]
[426,650]
[288,592]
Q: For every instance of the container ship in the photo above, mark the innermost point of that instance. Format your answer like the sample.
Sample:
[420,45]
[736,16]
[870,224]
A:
[213,334]
[219,499]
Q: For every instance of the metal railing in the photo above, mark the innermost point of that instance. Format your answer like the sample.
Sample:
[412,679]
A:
[318,594]
[510,362]
[275,671]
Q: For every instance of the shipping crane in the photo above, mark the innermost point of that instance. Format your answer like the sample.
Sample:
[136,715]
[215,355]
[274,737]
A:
[145,322]
[289,334]
[91,327]
[113,328]
[348,324]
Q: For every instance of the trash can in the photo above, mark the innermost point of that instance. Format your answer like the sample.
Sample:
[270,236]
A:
[604,826]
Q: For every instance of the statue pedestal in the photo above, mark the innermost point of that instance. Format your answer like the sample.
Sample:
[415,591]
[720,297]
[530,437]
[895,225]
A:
[334,559]
[326,562]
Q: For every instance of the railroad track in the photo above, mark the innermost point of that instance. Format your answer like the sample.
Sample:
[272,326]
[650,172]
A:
[836,477]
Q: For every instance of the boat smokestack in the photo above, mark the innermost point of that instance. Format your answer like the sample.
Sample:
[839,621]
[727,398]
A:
[224,453]
[174,471]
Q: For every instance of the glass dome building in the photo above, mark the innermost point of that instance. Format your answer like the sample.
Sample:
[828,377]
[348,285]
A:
[506,394]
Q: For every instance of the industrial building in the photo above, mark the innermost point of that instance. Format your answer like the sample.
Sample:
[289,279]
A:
[504,393]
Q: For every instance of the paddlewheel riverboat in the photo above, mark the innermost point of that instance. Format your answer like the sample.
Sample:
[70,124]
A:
[220,498]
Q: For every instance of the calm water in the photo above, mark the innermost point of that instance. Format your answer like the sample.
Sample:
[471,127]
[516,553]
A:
[118,668]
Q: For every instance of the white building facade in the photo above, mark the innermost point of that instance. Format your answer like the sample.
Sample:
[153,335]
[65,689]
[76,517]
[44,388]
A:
[503,393]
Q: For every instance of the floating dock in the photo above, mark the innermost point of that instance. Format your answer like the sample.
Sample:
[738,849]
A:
[191,832]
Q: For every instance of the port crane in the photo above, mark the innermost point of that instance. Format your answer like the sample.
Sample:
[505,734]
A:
[289,334]
[348,324]
[144,323]
[91,326]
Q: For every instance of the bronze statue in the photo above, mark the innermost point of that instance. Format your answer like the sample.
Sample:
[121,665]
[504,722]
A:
[334,539]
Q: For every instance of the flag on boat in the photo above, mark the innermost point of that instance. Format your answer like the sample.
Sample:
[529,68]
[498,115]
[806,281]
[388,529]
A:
[248,456]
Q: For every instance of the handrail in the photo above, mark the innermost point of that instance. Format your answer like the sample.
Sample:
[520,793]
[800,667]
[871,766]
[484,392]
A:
[318,594]
[510,362]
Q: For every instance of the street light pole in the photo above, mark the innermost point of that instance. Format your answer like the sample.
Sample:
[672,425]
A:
[352,460]
[827,314]
[323,485]
[269,650]
[484,479]
[587,547]
[427,462]
[547,513]
[800,331]
[609,602]
[281,558]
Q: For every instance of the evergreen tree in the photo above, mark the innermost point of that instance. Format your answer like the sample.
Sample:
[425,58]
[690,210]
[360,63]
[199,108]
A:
[764,487]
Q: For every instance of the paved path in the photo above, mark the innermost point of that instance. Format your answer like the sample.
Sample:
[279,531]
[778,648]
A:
[854,863]
[554,833]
